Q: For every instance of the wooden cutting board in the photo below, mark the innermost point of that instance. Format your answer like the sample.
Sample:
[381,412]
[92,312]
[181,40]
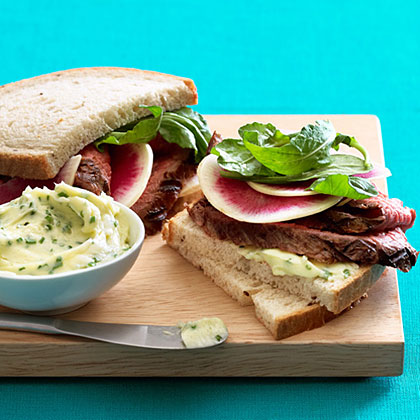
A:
[162,288]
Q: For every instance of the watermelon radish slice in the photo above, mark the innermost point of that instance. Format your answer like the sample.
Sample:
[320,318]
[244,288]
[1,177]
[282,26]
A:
[14,187]
[298,189]
[292,189]
[238,200]
[378,171]
[131,168]
[191,186]
[68,171]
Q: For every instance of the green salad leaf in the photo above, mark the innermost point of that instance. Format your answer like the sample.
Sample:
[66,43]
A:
[263,135]
[201,132]
[236,158]
[282,154]
[308,149]
[264,154]
[344,186]
[352,142]
[185,127]
[340,164]
[142,132]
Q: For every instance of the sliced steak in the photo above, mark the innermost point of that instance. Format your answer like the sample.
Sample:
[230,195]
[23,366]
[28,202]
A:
[169,173]
[378,213]
[94,172]
[389,248]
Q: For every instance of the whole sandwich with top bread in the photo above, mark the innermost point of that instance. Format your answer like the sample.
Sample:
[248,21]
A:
[125,132]
[292,225]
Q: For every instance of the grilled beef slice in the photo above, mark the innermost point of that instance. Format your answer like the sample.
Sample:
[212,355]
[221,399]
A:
[377,214]
[94,171]
[389,248]
[171,168]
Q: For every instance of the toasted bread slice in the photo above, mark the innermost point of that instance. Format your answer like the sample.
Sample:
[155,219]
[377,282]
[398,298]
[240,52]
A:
[286,305]
[47,119]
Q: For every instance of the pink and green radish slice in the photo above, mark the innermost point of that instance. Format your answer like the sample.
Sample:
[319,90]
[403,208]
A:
[298,189]
[191,186]
[292,189]
[238,200]
[14,187]
[131,168]
[378,171]
[68,171]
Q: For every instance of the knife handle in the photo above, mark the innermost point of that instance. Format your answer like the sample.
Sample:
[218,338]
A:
[42,324]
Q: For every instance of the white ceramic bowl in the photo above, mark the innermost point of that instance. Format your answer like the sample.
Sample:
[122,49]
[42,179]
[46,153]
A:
[65,292]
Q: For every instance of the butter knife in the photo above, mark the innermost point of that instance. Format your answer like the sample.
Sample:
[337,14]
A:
[137,335]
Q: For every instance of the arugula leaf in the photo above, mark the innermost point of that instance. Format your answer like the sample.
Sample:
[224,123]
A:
[263,134]
[185,127]
[344,186]
[351,142]
[263,154]
[259,154]
[235,157]
[198,120]
[193,131]
[174,132]
[306,150]
[340,164]
[144,131]
[156,111]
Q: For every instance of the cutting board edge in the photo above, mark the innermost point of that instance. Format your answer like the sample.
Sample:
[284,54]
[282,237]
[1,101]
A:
[235,360]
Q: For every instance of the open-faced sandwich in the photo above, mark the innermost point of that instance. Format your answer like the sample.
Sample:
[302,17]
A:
[125,132]
[291,225]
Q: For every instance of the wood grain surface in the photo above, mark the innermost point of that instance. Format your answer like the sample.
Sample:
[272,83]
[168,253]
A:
[162,288]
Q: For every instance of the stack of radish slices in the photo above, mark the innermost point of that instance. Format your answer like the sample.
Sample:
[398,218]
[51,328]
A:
[263,203]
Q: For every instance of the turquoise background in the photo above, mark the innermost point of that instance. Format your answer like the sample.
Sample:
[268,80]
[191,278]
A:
[245,57]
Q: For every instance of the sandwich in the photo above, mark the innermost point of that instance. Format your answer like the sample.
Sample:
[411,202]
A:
[124,132]
[292,225]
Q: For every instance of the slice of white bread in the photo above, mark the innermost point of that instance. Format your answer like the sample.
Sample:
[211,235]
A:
[286,305]
[47,119]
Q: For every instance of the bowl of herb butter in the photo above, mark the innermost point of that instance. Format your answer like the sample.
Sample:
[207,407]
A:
[61,248]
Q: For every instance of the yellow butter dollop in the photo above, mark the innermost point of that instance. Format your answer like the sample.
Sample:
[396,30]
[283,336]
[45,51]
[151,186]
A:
[204,332]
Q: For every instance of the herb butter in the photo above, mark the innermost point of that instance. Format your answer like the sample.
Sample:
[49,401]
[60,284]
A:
[205,332]
[287,264]
[52,231]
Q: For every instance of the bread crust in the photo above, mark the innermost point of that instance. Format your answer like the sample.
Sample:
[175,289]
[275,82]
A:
[26,166]
[314,316]
[188,82]
[357,288]
[43,160]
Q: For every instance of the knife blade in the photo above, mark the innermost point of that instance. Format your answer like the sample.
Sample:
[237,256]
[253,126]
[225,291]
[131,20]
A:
[137,335]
